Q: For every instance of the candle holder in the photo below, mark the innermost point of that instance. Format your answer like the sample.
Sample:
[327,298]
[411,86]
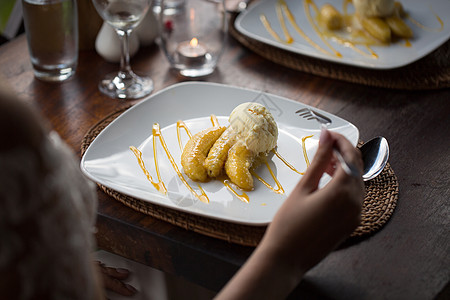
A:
[193,37]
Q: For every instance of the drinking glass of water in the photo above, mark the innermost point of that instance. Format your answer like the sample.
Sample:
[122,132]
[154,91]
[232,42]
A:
[52,34]
[124,16]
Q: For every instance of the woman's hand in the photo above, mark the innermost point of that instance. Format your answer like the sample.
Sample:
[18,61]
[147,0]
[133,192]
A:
[312,221]
[112,279]
[310,224]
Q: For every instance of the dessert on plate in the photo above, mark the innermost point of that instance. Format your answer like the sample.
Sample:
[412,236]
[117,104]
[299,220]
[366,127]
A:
[232,150]
[381,19]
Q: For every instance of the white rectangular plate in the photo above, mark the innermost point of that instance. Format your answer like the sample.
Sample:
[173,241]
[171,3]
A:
[393,56]
[108,160]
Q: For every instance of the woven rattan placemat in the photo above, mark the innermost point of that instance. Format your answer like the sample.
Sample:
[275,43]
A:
[379,204]
[430,72]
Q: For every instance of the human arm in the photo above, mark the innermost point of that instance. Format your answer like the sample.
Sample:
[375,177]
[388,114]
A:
[310,224]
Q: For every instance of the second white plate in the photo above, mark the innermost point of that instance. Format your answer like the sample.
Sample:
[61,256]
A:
[429,13]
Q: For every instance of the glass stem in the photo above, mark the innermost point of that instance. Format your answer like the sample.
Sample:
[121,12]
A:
[125,68]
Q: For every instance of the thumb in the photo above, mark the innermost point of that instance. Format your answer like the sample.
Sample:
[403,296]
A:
[321,161]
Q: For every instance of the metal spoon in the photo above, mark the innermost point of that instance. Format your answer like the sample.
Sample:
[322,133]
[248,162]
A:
[375,154]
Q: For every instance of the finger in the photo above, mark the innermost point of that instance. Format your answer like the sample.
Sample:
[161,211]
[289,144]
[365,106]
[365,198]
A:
[118,286]
[118,273]
[99,263]
[331,166]
[354,184]
[320,163]
[350,187]
[348,151]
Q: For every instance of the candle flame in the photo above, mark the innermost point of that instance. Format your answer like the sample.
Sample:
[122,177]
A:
[193,42]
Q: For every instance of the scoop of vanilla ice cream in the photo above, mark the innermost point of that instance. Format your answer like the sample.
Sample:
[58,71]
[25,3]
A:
[255,126]
[374,8]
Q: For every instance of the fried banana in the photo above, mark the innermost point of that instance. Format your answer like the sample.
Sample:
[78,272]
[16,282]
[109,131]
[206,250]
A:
[399,27]
[378,28]
[196,150]
[238,164]
[330,17]
[218,154]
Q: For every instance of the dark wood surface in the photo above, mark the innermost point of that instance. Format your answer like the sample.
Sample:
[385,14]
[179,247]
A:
[407,259]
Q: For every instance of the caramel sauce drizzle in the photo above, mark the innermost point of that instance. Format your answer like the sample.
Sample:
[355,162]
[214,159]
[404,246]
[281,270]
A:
[279,189]
[269,28]
[348,43]
[243,196]
[159,185]
[307,4]
[297,28]
[286,33]
[214,121]
[288,37]
[361,38]
[420,25]
[181,124]
[287,163]
[345,4]
[305,155]
[157,134]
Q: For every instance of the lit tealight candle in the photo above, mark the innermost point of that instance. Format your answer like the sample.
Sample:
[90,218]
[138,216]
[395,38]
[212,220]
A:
[191,52]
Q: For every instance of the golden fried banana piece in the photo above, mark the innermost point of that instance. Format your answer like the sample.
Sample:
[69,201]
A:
[399,27]
[195,151]
[238,164]
[377,28]
[218,154]
[330,17]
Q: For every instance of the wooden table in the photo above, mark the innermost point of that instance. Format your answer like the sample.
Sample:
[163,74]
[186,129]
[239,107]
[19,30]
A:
[407,259]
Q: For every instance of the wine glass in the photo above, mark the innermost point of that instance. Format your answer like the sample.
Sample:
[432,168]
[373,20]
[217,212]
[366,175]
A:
[124,16]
